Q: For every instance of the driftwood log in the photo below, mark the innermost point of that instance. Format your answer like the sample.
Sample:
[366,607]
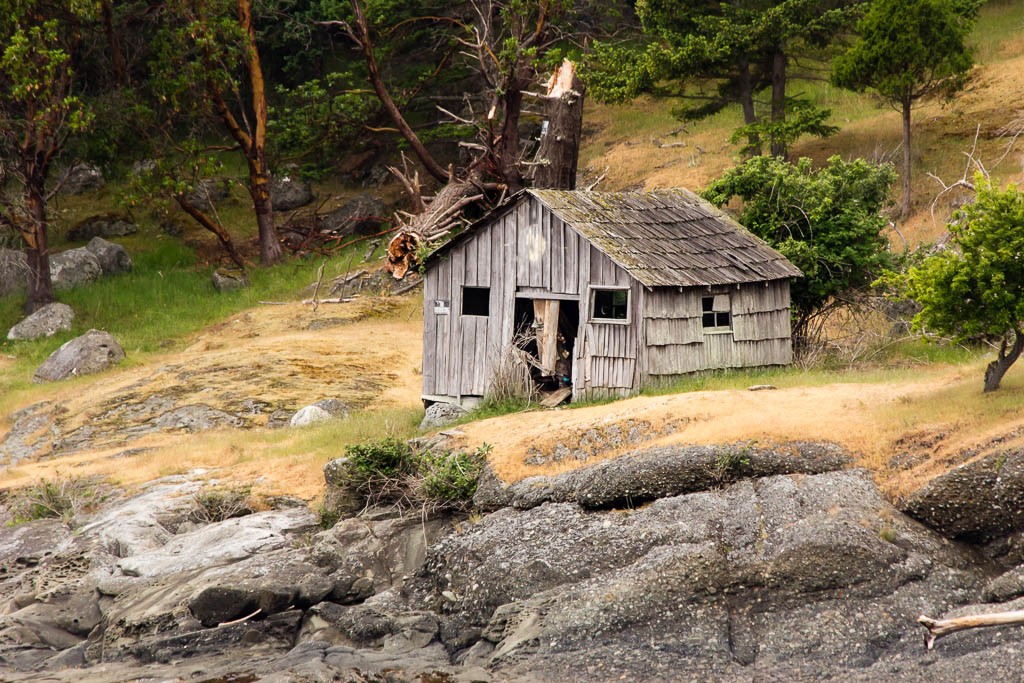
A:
[943,627]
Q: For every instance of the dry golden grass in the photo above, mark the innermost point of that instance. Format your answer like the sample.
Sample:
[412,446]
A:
[628,142]
[874,420]
[366,353]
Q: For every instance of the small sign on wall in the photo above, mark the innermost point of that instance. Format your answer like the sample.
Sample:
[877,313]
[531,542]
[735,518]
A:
[442,306]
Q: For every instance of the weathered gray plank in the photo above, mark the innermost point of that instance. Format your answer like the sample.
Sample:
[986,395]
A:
[663,331]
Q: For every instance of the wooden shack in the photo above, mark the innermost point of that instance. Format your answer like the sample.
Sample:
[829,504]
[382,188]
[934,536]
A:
[614,292]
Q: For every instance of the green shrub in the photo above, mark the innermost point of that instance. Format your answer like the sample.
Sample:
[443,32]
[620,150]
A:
[451,477]
[389,457]
[390,472]
[58,498]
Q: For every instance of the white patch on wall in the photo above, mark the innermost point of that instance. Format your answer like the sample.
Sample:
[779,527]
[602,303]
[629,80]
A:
[442,306]
[535,245]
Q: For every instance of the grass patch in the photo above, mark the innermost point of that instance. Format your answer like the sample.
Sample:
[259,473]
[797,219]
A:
[59,497]
[166,298]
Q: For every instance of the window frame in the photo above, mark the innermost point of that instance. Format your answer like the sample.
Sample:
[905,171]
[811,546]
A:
[716,328]
[592,291]
[462,306]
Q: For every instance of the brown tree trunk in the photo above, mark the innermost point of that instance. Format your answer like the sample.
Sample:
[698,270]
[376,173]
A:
[259,189]
[778,147]
[259,175]
[508,146]
[1007,357]
[40,286]
[361,34]
[114,42]
[907,160]
[746,84]
[558,154]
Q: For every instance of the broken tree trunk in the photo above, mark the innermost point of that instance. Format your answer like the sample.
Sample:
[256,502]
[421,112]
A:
[557,157]
[943,627]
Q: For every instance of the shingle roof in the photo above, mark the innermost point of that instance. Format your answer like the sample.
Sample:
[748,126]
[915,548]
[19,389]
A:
[668,237]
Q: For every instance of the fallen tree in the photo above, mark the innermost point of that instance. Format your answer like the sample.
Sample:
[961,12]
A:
[506,44]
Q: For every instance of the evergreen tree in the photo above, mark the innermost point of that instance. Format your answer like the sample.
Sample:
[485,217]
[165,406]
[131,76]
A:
[906,50]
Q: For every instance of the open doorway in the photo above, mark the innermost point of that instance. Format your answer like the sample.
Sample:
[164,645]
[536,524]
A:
[547,328]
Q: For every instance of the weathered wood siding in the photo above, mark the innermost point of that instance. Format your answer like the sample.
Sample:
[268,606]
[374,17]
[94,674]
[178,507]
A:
[676,342]
[527,249]
[607,353]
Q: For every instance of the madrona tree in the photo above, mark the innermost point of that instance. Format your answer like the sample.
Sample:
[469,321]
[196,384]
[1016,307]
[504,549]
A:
[38,111]
[209,64]
[974,288]
[827,221]
[906,50]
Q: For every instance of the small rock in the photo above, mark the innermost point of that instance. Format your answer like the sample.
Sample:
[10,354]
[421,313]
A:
[320,411]
[143,167]
[228,280]
[45,322]
[93,352]
[441,414]
[113,258]
[762,387]
[73,268]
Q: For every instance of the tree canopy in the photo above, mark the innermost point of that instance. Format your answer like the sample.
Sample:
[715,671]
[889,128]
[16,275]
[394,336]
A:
[826,221]
[732,51]
[906,50]
[974,288]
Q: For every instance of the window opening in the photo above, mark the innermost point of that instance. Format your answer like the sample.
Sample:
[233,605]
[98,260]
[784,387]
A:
[715,312]
[611,304]
[476,301]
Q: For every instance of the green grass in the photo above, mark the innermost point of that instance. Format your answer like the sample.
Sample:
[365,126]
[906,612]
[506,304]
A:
[998,22]
[166,298]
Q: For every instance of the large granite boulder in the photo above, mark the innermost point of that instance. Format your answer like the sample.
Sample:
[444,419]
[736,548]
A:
[977,502]
[113,258]
[208,191]
[364,213]
[441,414]
[44,322]
[94,351]
[289,192]
[103,225]
[73,268]
[82,178]
[13,271]
[321,411]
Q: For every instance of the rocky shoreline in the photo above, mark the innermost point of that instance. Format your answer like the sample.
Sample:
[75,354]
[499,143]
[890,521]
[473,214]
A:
[732,563]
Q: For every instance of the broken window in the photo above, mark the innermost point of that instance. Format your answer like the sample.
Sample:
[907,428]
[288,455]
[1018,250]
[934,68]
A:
[476,301]
[610,304]
[715,312]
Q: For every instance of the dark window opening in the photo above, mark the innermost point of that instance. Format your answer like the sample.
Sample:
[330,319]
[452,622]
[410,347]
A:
[611,304]
[476,301]
[715,311]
